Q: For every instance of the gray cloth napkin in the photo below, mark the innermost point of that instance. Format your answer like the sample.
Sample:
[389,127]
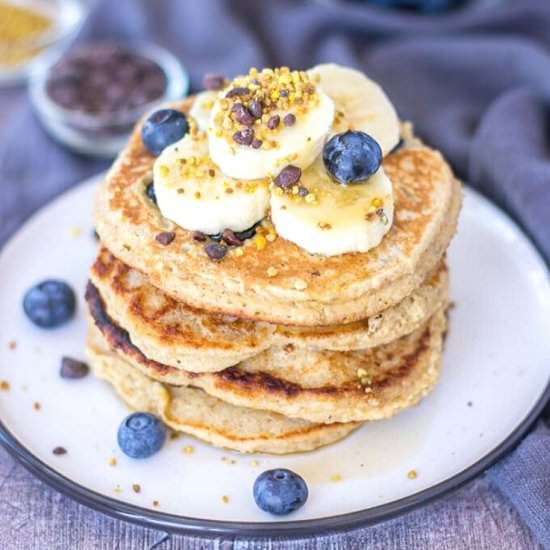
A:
[476,84]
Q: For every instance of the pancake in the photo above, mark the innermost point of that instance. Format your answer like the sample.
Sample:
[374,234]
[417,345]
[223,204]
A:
[168,330]
[308,290]
[317,386]
[177,335]
[196,413]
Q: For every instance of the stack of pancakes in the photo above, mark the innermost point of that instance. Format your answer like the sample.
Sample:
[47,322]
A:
[223,351]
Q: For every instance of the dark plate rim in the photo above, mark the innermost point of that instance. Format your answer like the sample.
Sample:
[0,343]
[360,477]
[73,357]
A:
[208,527]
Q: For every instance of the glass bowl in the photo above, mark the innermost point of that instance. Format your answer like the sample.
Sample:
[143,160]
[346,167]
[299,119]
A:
[105,134]
[19,60]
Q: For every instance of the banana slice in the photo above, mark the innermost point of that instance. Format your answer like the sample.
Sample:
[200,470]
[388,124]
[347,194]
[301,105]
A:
[360,104]
[193,193]
[265,120]
[202,107]
[326,218]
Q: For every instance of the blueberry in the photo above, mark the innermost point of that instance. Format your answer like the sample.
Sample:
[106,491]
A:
[163,128]
[247,233]
[217,237]
[141,435]
[352,157]
[150,191]
[50,303]
[280,491]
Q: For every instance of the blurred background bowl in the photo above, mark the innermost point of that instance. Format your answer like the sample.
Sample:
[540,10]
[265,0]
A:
[104,133]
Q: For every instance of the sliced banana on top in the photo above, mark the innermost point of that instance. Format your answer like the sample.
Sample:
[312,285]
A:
[327,218]
[265,120]
[360,104]
[193,193]
[202,108]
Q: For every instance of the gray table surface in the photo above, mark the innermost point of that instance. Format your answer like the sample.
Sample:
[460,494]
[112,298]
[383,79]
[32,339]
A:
[33,516]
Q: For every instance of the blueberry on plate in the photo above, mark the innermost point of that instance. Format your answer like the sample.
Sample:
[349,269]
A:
[50,303]
[280,491]
[141,435]
[163,128]
[352,157]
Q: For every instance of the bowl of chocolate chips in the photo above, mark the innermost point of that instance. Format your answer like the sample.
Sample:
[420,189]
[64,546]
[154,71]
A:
[91,99]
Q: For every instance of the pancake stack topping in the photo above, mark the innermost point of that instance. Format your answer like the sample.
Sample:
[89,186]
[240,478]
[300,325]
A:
[272,268]
[260,145]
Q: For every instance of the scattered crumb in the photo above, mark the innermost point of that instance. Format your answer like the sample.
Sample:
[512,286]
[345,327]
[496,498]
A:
[117,489]
[4,385]
[37,406]
[254,464]
[470,404]
[336,478]
[189,449]
[174,435]
[225,499]
[412,474]
[112,461]
[136,487]
[156,503]
[12,344]
[59,451]
[232,461]
[75,231]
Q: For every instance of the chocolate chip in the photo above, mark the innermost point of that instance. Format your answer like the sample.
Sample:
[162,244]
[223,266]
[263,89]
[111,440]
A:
[288,176]
[256,109]
[215,251]
[302,191]
[289,120]
[273,122]
[59,451]
[241,114]
[166,237]
[213,82]
[199,236]
[73,369]
[237,92]
[231,238]
[256,144]
[244,137]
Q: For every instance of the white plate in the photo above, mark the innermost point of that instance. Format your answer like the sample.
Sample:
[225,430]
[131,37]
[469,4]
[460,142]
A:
[494,381]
